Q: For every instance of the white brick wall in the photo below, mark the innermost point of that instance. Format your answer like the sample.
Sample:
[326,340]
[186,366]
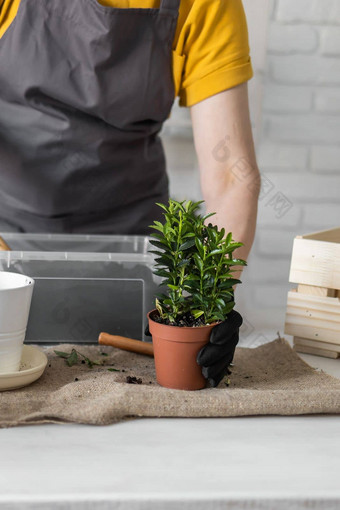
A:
[299,69]
[279,156]
[320,216]
[327,100]
[308,11]
[299,151]
[283,98]
[298,148]
[325,158]
[309,128]
[330,41]
[303,39]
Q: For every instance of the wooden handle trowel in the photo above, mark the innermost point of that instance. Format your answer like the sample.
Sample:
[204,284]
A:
[127,344]
[3,245]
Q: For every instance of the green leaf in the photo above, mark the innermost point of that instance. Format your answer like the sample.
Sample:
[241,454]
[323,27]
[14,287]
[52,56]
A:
[160,237]
[191,286]
[164,260]
[217,316]
[208,216]
[89,362]
[158,224]
[236,262]
[173,287]
[198,297]
[183,262]
[220,303]
[222,233]
[197,313]
[218,251]
[187,245]
[188,205]
[167,301]
[209,281]
[62,354]
[156,227]
[225,277]
[199,247]
[199,261]
[159,244]
[113,370]
[72,359]
[229,283]
[229,306]
[162,206]
[161,272]
[232,247]
[192,277]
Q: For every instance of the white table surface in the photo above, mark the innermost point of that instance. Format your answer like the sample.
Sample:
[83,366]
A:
[263,463]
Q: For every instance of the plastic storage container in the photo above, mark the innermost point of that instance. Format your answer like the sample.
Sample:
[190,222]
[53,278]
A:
[84,284]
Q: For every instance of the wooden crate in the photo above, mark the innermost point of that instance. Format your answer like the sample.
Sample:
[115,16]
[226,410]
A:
[313,308]
[316,259]
[314,319]
[319,348]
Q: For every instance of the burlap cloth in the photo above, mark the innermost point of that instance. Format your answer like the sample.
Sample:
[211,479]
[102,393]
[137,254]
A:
[270,379]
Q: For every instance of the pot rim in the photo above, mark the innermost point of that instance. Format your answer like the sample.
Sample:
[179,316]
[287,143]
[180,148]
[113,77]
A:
[17,281]
[191,328]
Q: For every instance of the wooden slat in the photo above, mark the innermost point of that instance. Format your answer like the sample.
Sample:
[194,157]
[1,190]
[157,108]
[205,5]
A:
[313,317]
[332,235]
[322,304]
[315,263]
[316,352]
[322,334]
[315,344]
[316,291]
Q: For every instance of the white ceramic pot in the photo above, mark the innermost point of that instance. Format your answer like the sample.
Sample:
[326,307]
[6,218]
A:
[15,301]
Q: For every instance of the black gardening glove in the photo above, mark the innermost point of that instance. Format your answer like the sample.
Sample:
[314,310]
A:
[216,356]
[147,331]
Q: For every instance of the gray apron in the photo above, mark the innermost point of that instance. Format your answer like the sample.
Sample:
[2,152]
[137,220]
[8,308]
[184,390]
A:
[84,91]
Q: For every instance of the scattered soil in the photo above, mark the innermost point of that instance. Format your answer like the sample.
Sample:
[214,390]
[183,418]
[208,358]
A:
[133,380]
[187,320]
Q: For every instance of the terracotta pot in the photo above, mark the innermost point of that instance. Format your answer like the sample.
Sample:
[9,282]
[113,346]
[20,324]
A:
[175,351]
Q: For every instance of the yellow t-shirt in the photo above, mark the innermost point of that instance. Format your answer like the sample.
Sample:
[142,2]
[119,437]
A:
[210,49]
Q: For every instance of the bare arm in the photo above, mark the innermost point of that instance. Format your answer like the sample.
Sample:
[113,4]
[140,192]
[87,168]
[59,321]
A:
[230,179]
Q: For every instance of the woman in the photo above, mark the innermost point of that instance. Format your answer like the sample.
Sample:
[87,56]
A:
[84,90]
[85,86]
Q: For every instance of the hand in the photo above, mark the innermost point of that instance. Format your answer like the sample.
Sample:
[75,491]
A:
[216,356]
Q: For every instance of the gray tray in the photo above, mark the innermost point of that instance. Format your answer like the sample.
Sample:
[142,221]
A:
[84,284]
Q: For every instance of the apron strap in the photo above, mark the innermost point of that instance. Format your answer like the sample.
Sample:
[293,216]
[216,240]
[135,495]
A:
[170,5]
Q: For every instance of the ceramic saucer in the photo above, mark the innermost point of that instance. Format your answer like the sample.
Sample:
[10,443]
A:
[32,366]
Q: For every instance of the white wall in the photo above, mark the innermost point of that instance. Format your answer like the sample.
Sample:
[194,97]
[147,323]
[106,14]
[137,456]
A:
[298,154]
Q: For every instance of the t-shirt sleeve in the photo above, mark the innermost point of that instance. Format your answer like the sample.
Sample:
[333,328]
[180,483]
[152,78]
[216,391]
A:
[8,11]
[212,51]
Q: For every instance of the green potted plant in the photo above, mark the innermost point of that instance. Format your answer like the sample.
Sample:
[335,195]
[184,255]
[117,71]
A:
[195,261]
